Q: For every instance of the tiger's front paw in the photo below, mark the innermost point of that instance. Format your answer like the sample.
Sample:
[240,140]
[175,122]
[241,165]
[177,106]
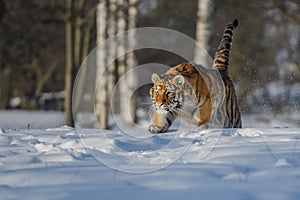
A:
[153,129]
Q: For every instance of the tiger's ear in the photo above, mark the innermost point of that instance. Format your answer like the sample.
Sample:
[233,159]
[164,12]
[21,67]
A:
[178,80]
[155,78]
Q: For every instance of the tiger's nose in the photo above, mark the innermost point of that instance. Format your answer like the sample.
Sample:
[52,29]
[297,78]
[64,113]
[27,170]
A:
[160,104]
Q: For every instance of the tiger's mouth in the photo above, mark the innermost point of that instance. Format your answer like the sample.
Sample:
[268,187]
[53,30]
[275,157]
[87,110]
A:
[162,112]
[162,109]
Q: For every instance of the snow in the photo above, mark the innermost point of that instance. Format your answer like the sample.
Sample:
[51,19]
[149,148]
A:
[13,119]
[64,163]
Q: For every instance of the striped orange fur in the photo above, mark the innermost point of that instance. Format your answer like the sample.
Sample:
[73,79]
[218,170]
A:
[182,91]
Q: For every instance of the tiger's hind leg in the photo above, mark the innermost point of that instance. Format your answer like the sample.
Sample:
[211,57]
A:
[233,115]
[203,113]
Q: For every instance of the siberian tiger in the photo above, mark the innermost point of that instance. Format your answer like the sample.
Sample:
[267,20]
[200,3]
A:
[182,91]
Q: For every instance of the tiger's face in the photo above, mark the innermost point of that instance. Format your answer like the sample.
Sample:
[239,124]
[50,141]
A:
[167,94]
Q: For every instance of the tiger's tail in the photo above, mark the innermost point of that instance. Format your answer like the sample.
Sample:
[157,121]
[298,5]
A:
[221,60]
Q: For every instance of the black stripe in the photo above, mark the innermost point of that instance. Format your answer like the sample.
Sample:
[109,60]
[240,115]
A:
[224,51]
[152,92]
[228,32]
[225,44]
[220,62]
[169,121]
[227,37]
[235,23]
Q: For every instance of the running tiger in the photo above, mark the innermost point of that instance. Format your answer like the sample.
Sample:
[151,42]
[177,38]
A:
[182,91]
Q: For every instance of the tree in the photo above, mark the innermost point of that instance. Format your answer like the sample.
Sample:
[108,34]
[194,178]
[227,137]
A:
[68,70]
[122,25]
[101,96]
[288,9]
[203,32]
[79,17]
[5,88]
[115,16]
[27,47]
[127,100]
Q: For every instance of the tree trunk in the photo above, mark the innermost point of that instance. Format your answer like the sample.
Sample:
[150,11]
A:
[82,78]
[101,98]
[5,87]
[128,113]
[116,23]
[69,66]
[202,33]
[77,22]
[121,25]
[112,67]
[42,78]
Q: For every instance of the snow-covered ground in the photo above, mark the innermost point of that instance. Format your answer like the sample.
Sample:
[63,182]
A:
[22,119]
[38,161]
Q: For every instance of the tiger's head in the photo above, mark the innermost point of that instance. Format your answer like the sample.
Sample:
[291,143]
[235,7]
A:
[167,93]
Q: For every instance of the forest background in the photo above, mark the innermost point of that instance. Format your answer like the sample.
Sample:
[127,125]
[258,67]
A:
[43,43]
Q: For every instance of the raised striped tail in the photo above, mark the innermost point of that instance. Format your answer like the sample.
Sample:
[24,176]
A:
[221,59]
